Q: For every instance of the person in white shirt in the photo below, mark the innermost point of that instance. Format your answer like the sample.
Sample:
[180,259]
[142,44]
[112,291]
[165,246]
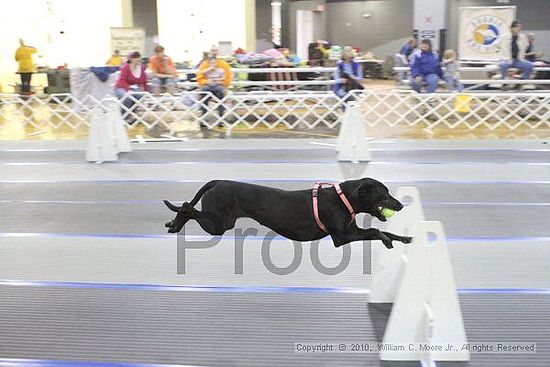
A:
[513,48]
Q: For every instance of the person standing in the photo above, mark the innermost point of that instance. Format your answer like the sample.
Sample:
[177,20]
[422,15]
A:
[513,49]
[23,55]
[425,67]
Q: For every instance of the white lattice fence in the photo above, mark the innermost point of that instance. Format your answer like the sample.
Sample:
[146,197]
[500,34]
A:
[53,110]
[473,110]
[290,109]
[308,109]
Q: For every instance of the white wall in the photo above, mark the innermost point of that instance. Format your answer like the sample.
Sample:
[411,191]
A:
[187,28]
[85,41]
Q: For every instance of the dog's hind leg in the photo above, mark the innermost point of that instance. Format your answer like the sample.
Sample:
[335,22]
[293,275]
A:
[210,222]
[179,217]
[184,215]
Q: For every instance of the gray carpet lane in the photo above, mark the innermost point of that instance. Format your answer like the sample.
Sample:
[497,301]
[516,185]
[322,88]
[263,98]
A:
[476,264]
[184,191]
[197,172]
[282,155]
[239,329]
[492,221]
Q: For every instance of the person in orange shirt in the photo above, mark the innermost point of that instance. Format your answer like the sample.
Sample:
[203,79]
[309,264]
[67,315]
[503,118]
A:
[23,55]
[164,71]
[214,76]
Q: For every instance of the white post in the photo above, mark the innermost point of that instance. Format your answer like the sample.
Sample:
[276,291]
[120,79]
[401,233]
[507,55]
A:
[304,32]
[276,23]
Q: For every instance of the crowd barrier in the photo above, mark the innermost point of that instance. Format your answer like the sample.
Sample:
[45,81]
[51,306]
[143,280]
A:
[290,109]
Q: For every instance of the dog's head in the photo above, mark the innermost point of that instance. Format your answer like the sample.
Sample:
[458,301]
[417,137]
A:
[371,196]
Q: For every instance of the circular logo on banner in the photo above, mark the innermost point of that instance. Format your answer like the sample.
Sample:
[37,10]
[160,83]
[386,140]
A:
[484,33]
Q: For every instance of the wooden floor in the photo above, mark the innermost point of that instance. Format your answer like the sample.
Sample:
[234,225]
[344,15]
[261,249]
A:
[13,128]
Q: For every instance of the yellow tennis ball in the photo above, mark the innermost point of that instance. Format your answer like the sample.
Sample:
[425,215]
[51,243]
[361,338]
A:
[388,213]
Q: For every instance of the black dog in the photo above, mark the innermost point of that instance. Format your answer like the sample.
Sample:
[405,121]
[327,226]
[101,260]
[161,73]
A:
[290,213]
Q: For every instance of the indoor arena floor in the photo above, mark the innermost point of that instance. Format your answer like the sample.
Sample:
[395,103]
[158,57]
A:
[88,274]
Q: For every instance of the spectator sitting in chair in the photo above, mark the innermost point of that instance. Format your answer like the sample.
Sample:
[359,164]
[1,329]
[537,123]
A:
[214,76]
[319,54]
[425,68]
[348,75]
[530,54]
[451,73]
[402,58]
[131,84]
[513,49]
[164,71]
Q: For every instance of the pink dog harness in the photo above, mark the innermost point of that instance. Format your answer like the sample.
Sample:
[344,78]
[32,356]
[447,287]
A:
[314,195]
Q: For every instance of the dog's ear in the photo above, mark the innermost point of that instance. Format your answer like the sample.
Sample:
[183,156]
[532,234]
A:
[171,206]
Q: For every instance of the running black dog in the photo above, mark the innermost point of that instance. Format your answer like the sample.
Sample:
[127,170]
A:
[291,213]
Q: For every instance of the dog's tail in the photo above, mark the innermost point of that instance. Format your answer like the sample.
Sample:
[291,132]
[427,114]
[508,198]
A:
[195,200]
[171,206]
[201,192]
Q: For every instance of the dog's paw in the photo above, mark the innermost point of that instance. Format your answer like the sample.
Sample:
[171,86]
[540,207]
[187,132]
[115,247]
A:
[173,230]
[169,224]
[386,241]
[406,239]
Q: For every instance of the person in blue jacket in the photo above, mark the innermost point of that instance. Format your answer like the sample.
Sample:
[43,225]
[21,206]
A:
[402,58]
[348,75]
[425,67]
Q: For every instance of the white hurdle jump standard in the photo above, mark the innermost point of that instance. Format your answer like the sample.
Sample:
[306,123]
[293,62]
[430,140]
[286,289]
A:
[107,135]
[388,273]
[426,314]
[352,139]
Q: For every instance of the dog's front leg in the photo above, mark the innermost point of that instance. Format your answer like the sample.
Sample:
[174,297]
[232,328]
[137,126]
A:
[360,234]
[395,237]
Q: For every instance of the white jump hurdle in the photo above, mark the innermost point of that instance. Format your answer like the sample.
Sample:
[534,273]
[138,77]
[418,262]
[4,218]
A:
[418,279]
[426,311]
[389,271]
[352,138]
[107,135]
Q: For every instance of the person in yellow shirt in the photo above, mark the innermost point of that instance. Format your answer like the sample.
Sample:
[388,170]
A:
[214,76]
[115,59]
[23,55]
